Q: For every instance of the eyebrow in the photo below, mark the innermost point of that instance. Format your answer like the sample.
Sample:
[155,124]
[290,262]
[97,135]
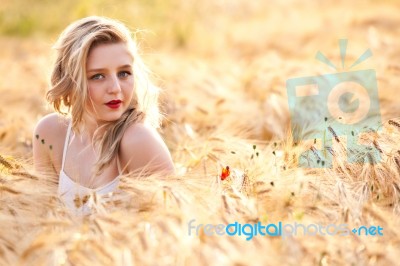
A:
[103,69]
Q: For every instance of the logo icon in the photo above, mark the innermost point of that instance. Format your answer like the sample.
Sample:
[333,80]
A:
[329,106]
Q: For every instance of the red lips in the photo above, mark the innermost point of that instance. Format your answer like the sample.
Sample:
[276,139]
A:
[114,104]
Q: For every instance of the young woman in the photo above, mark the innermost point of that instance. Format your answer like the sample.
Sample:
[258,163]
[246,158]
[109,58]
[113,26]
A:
[106,113]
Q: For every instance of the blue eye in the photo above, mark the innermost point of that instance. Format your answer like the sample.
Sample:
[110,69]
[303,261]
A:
[97,76]
[124,74]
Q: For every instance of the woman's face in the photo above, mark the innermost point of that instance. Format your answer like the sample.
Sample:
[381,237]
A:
[110,81]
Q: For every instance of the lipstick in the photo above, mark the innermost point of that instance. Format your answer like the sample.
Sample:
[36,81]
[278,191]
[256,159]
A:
[114,104]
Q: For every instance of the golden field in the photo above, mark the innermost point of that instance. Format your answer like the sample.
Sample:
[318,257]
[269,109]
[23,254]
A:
[223,67]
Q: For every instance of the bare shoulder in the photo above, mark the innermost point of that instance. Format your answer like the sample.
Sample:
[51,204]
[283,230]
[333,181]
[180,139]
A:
[139,132]
[142,148]
[47,139]
[51,123]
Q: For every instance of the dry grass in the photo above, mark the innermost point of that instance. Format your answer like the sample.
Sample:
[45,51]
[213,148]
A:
[224,76]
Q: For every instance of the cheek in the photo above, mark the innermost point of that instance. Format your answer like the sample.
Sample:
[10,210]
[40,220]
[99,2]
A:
[93,93]
[89,92]
[129,90]
[90,89]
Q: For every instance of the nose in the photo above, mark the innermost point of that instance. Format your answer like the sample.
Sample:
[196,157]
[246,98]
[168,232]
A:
[115,86]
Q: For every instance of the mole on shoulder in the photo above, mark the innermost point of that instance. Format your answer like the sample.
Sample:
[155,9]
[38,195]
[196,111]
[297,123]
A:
[43,141]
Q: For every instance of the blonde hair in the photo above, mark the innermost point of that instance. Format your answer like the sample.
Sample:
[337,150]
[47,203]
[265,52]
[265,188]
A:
[69,82]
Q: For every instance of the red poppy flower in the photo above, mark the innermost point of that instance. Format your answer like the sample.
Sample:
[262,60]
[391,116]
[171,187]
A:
[225,173]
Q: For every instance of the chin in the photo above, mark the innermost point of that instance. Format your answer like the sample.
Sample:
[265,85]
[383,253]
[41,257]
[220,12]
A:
[110,117]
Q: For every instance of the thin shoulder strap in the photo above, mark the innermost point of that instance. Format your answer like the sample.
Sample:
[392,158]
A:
[119,166]
[66,145]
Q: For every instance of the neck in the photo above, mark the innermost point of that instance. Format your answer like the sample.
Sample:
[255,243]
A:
[89,130]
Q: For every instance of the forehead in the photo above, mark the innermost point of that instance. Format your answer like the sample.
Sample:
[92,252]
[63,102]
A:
[109,55]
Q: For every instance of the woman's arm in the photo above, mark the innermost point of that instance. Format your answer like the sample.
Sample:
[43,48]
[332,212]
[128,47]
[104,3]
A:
[41,145]
[142,149]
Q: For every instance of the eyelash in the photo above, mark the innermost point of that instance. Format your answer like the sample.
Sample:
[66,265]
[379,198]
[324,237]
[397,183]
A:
[95,77]
[127,73]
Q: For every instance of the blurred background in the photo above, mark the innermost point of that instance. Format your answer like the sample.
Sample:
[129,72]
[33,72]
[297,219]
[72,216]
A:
[221,63]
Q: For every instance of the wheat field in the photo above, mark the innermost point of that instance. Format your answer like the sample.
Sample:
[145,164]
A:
[223,67]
